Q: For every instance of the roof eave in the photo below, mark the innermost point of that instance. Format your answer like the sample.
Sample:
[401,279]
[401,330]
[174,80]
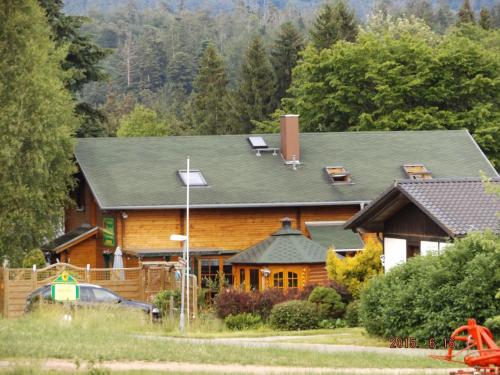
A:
[375,206]
[235,205]
[75,241]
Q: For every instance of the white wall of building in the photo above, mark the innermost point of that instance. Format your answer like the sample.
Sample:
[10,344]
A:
[432,246]
[394,252]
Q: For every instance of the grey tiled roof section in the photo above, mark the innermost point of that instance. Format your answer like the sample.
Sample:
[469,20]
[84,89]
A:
[283,247]
[142,172]
[461,205]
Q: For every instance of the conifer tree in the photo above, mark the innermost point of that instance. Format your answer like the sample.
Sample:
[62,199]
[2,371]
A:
[209,96]
[485,19]
[81,62]
[465,14]
[36,127]
[255,96]
[284,57]
[334,22]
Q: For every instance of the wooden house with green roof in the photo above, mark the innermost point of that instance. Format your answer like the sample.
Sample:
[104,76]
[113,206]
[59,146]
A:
[131,191]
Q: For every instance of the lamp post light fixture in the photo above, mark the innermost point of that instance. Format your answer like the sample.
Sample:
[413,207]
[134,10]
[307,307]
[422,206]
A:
[185,239]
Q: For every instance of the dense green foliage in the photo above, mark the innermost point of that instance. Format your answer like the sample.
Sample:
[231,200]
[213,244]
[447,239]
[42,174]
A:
[36,125]
[242,321]
[162,301]
[494,325]
[430,296]
[294,315]
[402,76]
[81,63]
[157,52]
[34,257]
[328,303]
[352,314]
[142,122]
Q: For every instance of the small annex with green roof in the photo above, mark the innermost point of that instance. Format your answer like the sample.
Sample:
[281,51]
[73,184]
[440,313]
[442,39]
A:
[284,259]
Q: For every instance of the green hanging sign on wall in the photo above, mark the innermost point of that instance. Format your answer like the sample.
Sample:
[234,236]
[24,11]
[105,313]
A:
[108,231]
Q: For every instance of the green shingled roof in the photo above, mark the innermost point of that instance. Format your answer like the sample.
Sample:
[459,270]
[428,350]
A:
[286,246]
[335,235]
[142,172]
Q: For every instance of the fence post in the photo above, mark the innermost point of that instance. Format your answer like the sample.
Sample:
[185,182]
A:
[141,283]
[171,307]
[87,273]
[33,277]
[195,297]
[162,278]
[6,292]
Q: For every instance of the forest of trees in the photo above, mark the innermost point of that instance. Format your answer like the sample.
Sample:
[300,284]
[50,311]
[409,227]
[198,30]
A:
[153,68]
[204,72]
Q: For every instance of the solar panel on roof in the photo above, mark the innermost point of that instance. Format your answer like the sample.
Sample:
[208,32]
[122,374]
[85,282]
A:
[257,142]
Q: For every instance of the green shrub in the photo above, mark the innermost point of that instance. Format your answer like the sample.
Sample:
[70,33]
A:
[162,300]
[430,296]
[328,302]
[294,315]
[242,321]
[494,325]
[34,256]
[352,314]
[340,323]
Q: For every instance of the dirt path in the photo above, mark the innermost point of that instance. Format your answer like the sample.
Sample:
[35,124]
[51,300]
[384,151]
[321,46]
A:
[277,342]
[179,367]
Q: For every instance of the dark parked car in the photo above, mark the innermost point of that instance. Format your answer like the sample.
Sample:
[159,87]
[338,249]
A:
[91,295]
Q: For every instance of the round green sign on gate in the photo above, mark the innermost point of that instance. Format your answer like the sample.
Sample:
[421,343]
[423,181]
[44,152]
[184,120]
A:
[65,288]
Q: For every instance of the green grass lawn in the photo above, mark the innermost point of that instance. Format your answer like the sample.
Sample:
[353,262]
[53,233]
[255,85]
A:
[345,336]
[111,334]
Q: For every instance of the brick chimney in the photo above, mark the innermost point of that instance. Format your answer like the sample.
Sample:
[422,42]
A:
[290,144]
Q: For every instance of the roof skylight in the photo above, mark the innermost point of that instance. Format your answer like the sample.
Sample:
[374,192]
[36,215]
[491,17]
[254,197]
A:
[257,142]
[417,172]
[196,178]
[338,175]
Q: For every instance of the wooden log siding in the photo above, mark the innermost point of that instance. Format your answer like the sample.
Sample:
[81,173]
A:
[151,229]
[83,253]
[226,229]
[317,274]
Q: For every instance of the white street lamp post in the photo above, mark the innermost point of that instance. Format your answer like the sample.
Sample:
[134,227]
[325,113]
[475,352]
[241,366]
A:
[185,256]
[181,238]
[187,237]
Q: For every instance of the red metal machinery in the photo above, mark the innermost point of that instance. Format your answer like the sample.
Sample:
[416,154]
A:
[480,351]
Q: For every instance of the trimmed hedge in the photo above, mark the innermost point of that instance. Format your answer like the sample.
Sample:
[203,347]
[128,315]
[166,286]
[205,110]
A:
[430,296]
[328,303]
[294,316]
